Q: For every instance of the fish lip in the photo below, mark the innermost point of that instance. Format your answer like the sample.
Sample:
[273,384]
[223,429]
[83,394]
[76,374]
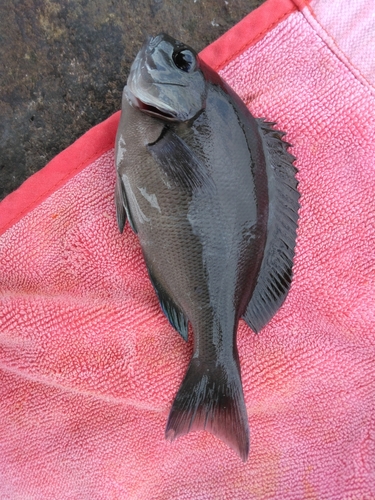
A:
[150,109]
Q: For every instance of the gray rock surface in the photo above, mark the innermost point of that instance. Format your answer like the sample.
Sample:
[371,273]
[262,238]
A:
[63,65]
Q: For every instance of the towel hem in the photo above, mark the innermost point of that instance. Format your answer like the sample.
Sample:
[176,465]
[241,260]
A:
[57,172]
[250,30]
[78,156]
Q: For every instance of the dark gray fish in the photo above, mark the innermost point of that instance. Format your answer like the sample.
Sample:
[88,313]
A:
[211,193]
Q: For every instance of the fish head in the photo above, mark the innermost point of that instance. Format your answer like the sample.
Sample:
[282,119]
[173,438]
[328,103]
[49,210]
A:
[166,81]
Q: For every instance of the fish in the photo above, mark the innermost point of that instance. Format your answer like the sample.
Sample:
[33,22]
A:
[211,193]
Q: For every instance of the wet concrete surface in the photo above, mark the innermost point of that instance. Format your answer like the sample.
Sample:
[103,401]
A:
[64,63]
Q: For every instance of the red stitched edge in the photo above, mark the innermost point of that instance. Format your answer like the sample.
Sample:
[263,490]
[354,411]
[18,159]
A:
[249,31]
[63,157]
[59,183]
[255,39]
[57,163]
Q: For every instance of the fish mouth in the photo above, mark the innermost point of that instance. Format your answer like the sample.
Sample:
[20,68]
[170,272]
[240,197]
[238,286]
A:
[153,111]
[149,109]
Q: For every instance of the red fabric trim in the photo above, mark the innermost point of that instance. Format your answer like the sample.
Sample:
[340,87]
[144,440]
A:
[101,138]
[301,4]
[58,171]
[247,32]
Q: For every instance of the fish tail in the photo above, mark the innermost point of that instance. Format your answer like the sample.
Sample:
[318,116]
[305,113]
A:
[211,398]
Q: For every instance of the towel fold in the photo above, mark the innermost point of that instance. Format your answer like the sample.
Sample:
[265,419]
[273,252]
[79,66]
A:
[89,365]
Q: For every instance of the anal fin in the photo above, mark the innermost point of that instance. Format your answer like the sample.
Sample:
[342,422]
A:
[275,274]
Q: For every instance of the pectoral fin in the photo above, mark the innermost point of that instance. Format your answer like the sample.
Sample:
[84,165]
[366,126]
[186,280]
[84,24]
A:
[276,270]
[181,167]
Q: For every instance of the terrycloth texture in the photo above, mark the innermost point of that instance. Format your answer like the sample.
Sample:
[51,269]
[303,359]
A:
[90,366]
[351,27]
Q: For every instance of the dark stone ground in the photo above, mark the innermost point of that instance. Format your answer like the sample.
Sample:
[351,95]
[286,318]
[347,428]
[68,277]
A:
[63,64]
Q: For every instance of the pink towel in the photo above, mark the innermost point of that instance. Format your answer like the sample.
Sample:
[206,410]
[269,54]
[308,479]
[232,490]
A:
[89,365]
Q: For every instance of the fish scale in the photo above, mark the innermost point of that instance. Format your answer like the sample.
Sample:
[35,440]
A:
[212,195]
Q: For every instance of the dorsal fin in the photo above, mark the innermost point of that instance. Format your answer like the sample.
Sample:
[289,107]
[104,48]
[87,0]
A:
[173,313]
[275,274]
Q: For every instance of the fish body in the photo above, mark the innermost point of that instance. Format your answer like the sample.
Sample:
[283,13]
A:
[211,193]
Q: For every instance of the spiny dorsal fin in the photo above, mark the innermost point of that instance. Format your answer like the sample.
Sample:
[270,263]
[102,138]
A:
[275,274]
[174,315]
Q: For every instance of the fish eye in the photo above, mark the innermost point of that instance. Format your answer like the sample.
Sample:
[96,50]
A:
[184,60]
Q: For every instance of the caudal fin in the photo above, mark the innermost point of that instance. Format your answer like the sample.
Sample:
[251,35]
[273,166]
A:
[211,398]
